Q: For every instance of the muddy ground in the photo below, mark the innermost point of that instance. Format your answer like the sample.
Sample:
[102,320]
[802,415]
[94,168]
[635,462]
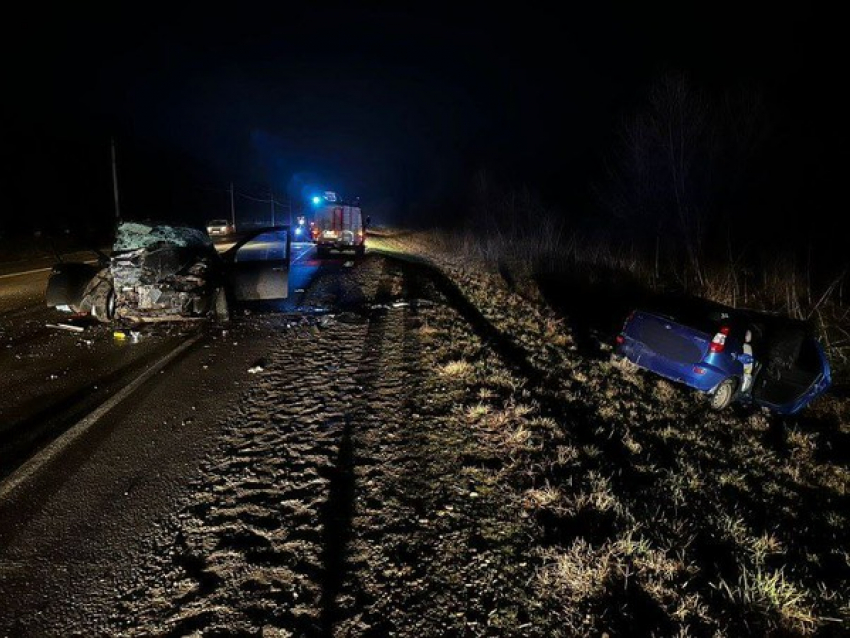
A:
[345,497]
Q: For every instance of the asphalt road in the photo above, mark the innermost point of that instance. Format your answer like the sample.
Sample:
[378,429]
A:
[76,489]
[51,376]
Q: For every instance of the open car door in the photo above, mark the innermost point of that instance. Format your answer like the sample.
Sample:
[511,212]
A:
[794,369]
[258,265]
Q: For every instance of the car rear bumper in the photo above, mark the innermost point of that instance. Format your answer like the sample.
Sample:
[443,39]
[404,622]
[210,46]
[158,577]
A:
[699,376]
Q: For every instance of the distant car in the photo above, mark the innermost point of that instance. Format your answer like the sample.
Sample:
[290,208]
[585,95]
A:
[300,231]
[159,272]
[220,228]
[701,345]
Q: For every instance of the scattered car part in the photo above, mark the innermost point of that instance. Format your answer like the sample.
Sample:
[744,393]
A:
[65,326]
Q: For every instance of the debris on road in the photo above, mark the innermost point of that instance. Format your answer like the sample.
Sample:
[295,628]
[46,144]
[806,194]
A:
[258,366]
[462,472]
[65,326]
[127,334]
[351,317]
[413,303]
[403,303]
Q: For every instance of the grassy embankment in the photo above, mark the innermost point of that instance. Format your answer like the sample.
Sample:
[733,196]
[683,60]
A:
[645,512]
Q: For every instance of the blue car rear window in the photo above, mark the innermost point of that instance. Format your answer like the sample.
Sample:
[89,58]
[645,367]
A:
[699,314]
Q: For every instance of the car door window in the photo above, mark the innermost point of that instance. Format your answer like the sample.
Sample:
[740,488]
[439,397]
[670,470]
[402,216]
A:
[271,245]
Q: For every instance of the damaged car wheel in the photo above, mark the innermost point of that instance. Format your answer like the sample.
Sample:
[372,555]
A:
[103,302]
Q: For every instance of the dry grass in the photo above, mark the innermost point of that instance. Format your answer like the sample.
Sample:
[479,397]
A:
[777,282]
[770,594]
[646,513]
[457,369]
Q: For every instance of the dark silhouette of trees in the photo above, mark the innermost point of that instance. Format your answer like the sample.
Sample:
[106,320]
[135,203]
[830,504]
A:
[679,180]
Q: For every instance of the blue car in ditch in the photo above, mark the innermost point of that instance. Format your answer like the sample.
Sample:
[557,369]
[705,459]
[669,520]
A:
[705,346]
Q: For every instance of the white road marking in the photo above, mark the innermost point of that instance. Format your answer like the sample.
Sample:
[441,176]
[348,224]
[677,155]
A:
[26,272]
[60,444]
[302,253]
[32,272]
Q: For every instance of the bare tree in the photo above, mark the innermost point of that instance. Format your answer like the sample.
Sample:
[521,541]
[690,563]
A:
[679,166]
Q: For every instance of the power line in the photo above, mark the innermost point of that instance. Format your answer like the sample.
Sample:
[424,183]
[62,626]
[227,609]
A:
[233,191]
[253,199]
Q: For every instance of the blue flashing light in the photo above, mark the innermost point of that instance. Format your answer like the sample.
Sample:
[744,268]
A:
[317,200]
[298,230]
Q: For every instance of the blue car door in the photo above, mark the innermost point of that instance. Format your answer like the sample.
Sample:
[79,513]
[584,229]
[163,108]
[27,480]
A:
[789,390]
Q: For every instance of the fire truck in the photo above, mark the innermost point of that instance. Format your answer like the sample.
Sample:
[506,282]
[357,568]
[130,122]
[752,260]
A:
[337,225]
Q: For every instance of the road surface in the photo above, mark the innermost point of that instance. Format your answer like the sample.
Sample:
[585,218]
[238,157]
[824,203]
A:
[51,376]
[79,492]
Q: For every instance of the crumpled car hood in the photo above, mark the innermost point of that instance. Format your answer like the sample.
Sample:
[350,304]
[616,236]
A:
[161,271]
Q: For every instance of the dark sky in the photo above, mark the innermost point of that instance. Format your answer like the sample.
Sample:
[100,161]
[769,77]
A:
[394,102]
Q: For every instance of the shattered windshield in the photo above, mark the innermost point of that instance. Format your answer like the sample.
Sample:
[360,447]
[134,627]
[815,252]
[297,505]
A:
[135,236]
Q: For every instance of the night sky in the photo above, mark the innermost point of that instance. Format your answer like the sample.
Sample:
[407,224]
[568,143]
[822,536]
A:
[398,105]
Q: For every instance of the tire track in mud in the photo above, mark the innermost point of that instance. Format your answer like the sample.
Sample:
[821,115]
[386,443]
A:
[249,549]
[337,504]
[382,420]
[339,510]
[262,545]
[426,550]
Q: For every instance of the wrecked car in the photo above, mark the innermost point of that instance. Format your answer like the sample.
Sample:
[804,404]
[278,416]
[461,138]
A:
[159,272]
[709,347]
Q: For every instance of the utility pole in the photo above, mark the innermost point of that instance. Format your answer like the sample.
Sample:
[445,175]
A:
[115,182]
[232,208]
